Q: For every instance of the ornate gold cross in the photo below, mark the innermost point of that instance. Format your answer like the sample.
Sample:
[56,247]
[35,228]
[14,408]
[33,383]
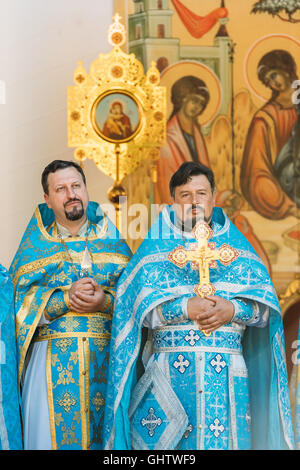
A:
[203,256]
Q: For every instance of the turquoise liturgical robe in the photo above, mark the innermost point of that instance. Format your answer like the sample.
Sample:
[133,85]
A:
[225,391]
[77,344]
[10,418]
[296,390]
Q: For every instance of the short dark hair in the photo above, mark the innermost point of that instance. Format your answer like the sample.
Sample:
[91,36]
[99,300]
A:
[59,165]
[277,59]
[186,171]
[185,86]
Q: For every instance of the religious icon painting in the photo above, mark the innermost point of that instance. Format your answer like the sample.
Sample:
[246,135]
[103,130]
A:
[190,81]
[232,80]
[116,116]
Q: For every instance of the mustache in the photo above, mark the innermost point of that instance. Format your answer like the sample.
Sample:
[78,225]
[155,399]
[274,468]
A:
[72,200]
[195,206]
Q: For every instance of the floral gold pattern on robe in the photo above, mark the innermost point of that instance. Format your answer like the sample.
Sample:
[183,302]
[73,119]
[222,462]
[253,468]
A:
[78,345]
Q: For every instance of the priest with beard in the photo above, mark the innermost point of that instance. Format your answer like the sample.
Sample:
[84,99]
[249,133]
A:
[215,374]
[65,273]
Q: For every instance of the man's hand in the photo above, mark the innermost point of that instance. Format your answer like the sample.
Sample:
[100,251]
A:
[84,285]
[213,312]
[197,305]
[86,296]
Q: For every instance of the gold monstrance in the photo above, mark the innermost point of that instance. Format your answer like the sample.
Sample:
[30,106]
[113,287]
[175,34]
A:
[117,114]
[203,256]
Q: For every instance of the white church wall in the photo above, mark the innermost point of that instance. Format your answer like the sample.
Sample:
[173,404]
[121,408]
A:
[40,45]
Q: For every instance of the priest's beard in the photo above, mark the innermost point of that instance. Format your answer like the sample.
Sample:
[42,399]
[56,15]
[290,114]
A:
[191,220]
[76,213]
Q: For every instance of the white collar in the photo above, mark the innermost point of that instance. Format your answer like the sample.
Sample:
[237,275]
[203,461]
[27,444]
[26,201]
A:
[65,233]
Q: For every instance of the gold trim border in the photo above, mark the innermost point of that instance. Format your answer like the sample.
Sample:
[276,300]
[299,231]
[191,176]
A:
[23,311]
[98,258]
[50,397]
[40,224]
[65,290]
[71,334]
[71,313]
[33,327]
[83,407]
[86,350]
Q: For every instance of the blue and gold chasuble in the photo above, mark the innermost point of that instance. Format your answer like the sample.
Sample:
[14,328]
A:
[228,390]
[78,344]
[10,418]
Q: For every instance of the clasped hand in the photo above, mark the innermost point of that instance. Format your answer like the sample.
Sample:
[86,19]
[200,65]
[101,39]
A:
[86,296]
[210,313]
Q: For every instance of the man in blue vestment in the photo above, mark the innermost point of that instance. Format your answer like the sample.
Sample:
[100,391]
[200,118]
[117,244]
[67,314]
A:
[215,373]
[295,389]
[65,273]
[10,418]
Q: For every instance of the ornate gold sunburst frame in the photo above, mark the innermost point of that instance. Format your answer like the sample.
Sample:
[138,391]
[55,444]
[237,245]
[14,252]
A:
[116,73]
